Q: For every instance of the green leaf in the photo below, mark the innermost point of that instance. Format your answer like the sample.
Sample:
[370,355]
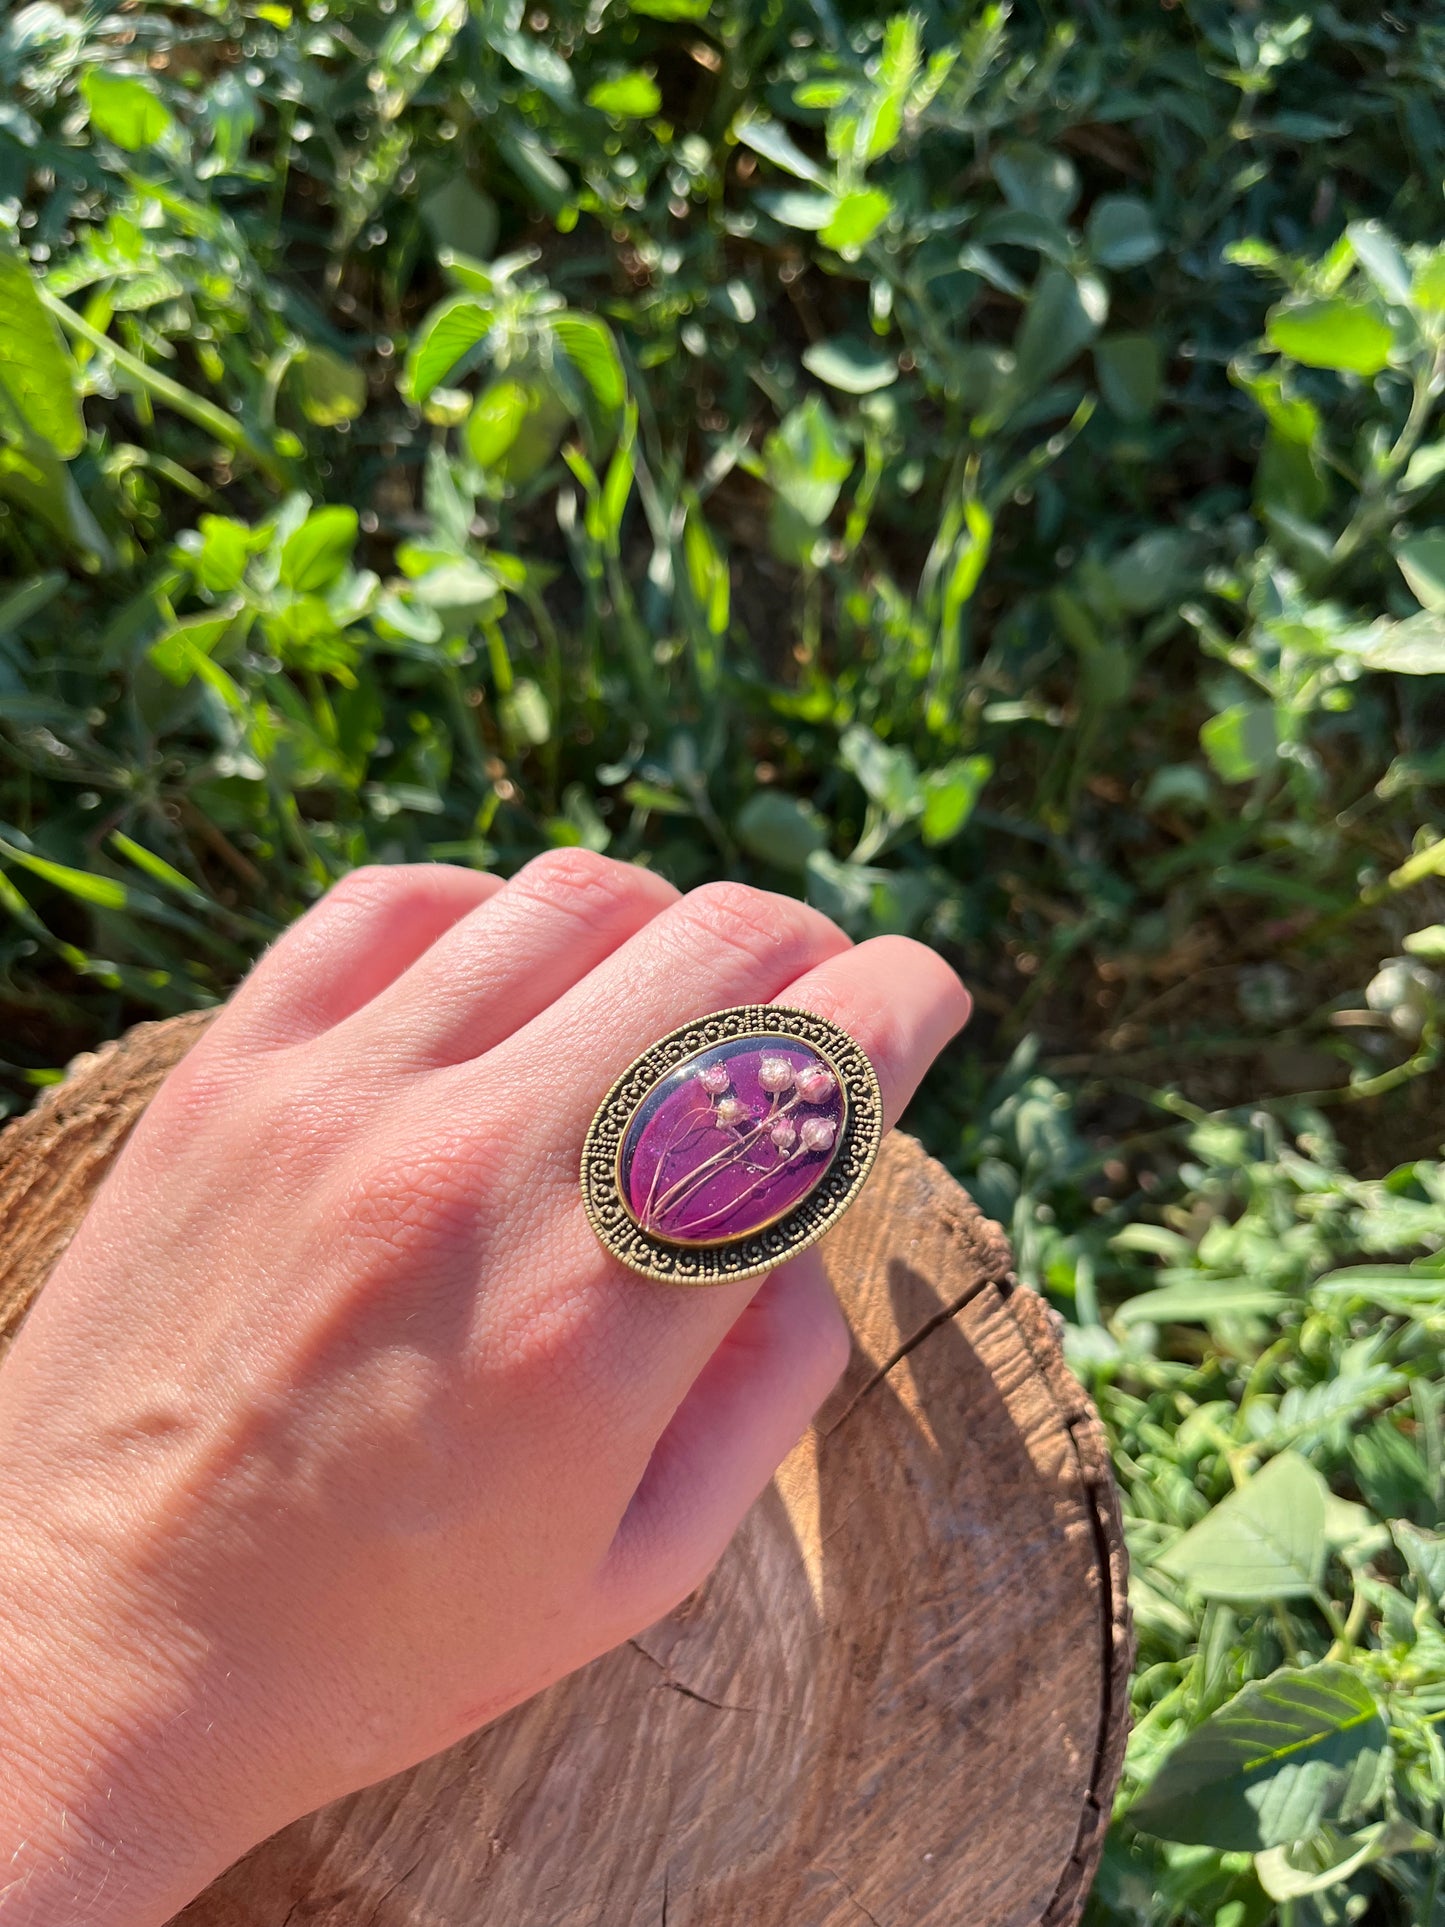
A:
[525,714]
[652,797]
[462,219]
[807,460]
[1272,1764]
[772,140]
[882,123]
[1414,647]
[496,421]
[105,893]
[461,590]
[159,871]
[950,794]
[1013,227]
[1352,1532]
[611,504]
[402,617]
[843,891]
[822,94]
[36,478]
[538,62]
[1331,332]
[1152,571]
[1130,369]
[1427,289]
[630,96]
[672,9]
[857,218]
[889,775]
[1063,315]
[28,599]
[1425,466]
[1036,179]
[780,829]
[1395,1288]
[226,546]
[588,345]
[1241,741]
[450,331]
[539,172]
[1265,1541]
[580,823]
[1121,232]
[37,376]
[1424,1553]
[230,113]
[1428,943]
[317,552]
[1378,253]
[972,547]
[852,364]
[125,109]
[1204,1303]
[178,653]
[799,207]
[1329,1858]
[707,575]
[331,391]
[1422,563]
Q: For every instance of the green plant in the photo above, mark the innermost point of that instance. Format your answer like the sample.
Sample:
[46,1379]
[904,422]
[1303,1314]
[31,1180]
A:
[984,471]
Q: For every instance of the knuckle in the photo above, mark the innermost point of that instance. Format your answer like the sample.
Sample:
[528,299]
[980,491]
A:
[406,1204]
[763,927]
[550,1353]
[201,1088]
[587,884]
[369,884]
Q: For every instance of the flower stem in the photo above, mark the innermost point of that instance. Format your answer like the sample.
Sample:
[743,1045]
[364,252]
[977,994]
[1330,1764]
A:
[679,1192]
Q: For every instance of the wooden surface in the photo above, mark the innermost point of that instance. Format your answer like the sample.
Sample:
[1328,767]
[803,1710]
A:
[900,1699]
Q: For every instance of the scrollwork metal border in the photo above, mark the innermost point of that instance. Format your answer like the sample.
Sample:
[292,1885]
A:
[682,1265]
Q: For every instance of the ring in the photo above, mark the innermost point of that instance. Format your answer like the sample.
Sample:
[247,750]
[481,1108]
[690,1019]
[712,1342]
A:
[731,1144]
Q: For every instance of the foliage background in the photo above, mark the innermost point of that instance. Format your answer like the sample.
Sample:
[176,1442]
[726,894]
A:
[980,470]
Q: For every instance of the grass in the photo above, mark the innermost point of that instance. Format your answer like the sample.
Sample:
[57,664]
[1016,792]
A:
[983,471]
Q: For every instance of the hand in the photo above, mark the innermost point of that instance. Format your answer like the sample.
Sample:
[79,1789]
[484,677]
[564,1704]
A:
[336,1433]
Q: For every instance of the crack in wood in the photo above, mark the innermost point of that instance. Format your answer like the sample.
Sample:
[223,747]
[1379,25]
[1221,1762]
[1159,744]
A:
[400,1881]
[910,1344]
[674,1685]
[848,1891]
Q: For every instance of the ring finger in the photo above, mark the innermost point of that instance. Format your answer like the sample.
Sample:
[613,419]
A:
[896,998]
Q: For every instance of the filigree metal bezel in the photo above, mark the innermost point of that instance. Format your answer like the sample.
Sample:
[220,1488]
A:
[859,1138]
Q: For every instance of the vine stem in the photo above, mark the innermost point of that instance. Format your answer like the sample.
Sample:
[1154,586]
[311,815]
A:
[225,428]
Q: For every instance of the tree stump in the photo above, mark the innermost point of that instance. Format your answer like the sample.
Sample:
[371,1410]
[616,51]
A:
[900,1699]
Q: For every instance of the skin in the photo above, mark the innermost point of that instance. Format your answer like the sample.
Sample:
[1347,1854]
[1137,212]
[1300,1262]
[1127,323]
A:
[336,1433]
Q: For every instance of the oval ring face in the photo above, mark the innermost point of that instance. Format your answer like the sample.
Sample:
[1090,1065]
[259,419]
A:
[730,1144]
[730,1141]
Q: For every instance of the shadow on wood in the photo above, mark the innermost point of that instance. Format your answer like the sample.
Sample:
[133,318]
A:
[900,1699]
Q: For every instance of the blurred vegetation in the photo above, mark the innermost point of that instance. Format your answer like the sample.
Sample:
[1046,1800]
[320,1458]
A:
[984,471]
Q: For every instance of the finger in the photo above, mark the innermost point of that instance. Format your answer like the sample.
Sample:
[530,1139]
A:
[744,1412]
[361,936]
[640,1343]
[719,945]
[561,916]
[898,999]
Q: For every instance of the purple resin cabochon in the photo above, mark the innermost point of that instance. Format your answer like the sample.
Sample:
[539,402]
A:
[711,1155]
